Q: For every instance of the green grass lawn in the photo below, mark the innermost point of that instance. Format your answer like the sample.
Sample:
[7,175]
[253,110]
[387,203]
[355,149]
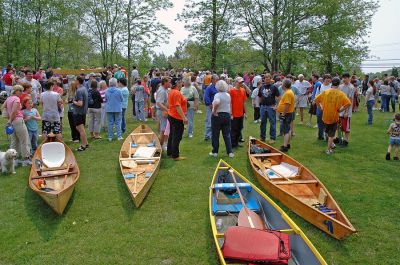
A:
[101,225]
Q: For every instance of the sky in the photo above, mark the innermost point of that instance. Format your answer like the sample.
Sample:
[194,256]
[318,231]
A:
[384,39]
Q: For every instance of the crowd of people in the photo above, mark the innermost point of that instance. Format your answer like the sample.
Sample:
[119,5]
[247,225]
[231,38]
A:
[172,98]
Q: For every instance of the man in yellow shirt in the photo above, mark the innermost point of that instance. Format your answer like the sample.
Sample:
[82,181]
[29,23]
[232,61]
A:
[286,113]
[332,101]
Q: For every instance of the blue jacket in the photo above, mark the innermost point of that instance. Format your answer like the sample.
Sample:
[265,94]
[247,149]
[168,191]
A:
[114,100]
[209,94]
[316,87]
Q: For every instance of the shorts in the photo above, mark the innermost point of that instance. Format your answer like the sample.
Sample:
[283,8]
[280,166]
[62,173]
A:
[79,119]
[286,122]
[302,101]
[345,124]
[313,109]
[48,127]
[394,141]
[162,119]
[330,129]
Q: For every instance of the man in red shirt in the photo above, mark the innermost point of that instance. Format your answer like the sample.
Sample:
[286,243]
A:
[238,107]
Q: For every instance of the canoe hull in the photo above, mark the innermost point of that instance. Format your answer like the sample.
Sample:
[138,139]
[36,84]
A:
[328,224]
[303,251]
[58,199]
[141,136]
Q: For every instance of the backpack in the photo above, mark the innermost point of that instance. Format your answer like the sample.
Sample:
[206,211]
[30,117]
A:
[90,99]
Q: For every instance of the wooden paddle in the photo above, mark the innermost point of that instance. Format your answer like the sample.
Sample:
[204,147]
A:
[247,217]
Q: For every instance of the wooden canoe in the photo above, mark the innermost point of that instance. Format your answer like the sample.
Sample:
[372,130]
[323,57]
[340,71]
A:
[59,187]
[299,189]
[220,210]
[139,172]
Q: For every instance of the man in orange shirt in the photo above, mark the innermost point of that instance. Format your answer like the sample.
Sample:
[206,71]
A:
[286,113]
[332,101]
[238,107]
[177,108]
[207,80]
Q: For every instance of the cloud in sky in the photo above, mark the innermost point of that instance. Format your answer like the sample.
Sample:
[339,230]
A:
[384,40]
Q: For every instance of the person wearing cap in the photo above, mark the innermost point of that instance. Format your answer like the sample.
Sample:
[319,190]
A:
[238,107]
[208,99]
[36,86]
[332,101]
[177,108]
[303,86]
[221,119]
[20,137]
[286,113]
[394,140]
[269,96]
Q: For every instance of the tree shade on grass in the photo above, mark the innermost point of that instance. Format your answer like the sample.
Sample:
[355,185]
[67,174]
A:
[101,225]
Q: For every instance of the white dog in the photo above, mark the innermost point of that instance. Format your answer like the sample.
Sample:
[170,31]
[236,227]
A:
[7,161]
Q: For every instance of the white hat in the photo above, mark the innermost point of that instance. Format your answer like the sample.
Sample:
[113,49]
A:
[239,79]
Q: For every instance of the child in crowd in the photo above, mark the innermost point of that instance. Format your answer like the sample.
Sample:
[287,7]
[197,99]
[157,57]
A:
[256,103]
[31,116]
[140,97]
[394,132]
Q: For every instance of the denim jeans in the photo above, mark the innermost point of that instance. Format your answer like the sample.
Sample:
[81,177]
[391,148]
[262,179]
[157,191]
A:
[114,118]
[123,121]
[139,109]
[207,133]
[190,117]
[370,105]
[222,122]
[385,102]
[103,116]
[267,112]
[393,101]
[320,123]
[33,137]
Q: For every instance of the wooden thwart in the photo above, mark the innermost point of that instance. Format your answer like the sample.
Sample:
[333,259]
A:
[142,134]
[304,181]
[266,155]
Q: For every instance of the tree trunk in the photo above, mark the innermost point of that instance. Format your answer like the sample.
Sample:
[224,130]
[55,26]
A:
[128,16]
[275,41]
[214,35]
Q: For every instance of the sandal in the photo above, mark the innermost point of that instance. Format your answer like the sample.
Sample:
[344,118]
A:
[81,148]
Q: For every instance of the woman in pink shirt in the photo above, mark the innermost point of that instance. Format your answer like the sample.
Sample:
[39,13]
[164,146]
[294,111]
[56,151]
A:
[20,138]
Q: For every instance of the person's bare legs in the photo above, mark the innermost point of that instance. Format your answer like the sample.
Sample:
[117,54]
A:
[302,115]
[82,133]
[286,139]
[330,143]
[162,138]
[396,151]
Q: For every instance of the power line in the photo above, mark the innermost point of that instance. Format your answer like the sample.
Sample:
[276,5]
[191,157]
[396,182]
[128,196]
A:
[378,60]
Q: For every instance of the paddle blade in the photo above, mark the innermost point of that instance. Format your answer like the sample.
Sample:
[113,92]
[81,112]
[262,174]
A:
[248,218]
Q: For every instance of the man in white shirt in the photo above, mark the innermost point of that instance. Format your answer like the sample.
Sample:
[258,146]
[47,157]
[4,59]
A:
[135,74]
[303,86]
[347,88]
[36,86]
[256,79]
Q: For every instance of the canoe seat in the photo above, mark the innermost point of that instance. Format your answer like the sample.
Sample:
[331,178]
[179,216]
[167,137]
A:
[231,186]
[223,209]
[53,154]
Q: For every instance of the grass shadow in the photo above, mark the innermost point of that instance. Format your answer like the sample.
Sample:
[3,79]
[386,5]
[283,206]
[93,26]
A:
[41,215]
[125,198]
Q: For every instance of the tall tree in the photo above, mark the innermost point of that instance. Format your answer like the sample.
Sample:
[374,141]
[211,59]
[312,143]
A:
[209,22]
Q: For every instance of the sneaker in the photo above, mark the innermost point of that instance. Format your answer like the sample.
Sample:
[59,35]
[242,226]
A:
[288,146]
[231,155]
[190,135]
[387,156]
[333,146]
[26,163]
[284,149]
[315,126]
[259,120]
[256,121]
[213,154]
[165,148]
[76,141]
[206,139]
[329,151]
[271,141]
[345,143]
[81,148]
[109,139]
[241,141]
[120,138]
[199,112]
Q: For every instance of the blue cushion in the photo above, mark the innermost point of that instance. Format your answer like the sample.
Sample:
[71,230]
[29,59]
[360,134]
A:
[252,204]
[231,186]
